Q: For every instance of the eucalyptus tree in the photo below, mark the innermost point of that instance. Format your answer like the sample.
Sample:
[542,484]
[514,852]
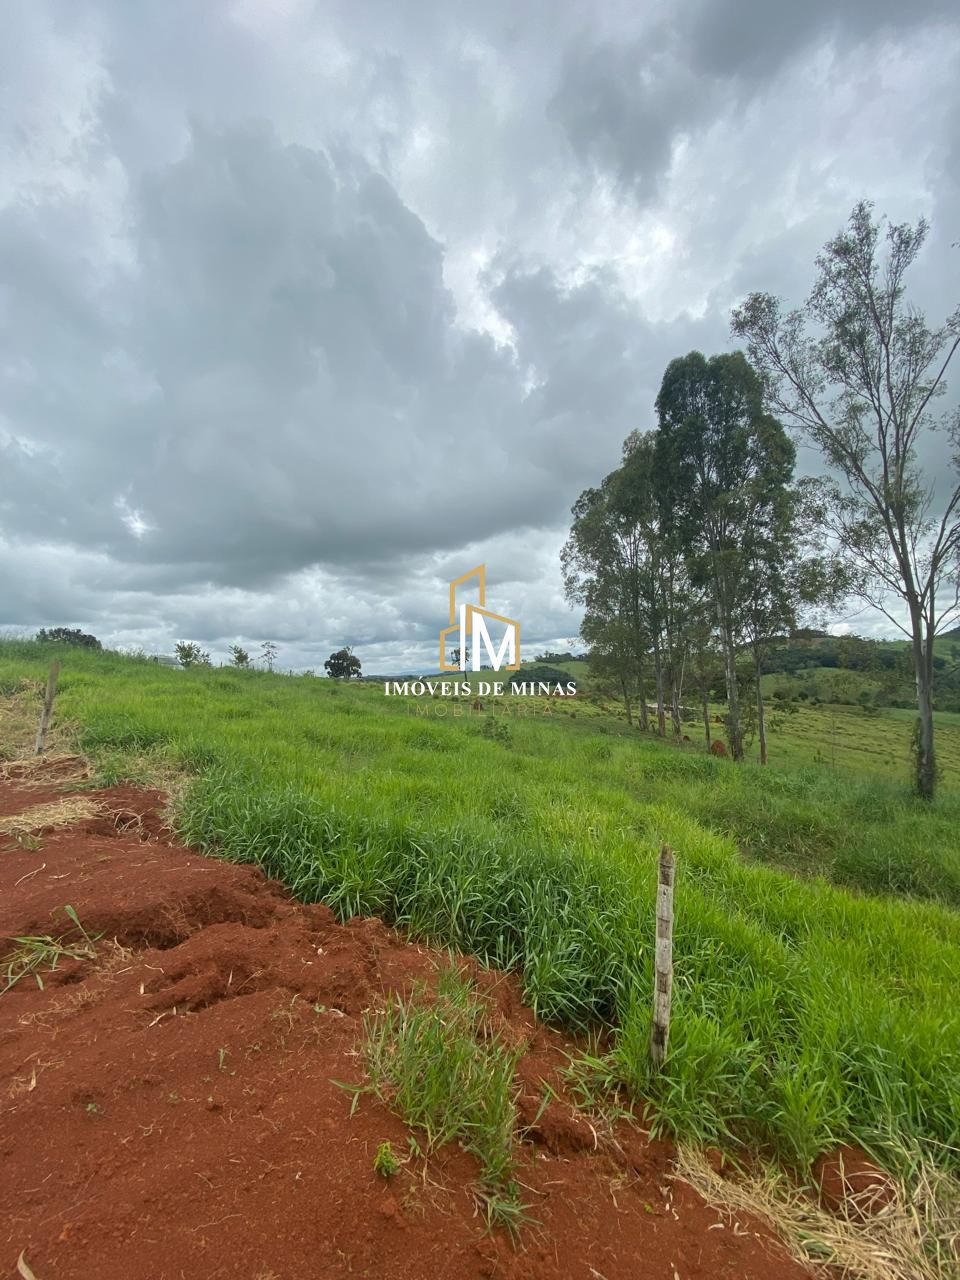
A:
[635,502]
[612,564]
[785,575]
[723,467]
[705,657]
[601,571]
[612,658]
[857,370]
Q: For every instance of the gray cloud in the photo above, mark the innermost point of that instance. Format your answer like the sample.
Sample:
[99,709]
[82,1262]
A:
[754,39]
[286,379]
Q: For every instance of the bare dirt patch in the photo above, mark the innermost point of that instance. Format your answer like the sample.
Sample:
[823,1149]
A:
[168,1109]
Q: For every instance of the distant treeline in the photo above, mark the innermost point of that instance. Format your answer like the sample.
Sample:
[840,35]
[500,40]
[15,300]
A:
[888,667]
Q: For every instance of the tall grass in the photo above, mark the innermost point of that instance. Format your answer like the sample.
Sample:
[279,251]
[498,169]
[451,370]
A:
[804,1013]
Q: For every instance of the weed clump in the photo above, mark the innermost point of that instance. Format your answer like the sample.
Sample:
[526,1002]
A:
[385,1162]
[437,1062]
[34,953]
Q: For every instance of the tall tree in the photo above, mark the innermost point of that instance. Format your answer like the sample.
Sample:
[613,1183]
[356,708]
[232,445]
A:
[679,605]
[601,572]
[343,665]
[636,509]
[612,657]
[784,576]
[723,466]
[706,662]
[858,370]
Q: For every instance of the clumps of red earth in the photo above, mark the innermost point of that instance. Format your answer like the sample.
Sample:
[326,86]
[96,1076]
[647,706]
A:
[851,1185]
[174,1109]
[718,748]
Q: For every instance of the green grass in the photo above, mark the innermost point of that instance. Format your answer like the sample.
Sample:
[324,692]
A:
[434,1060]
[817,943]
[843,739]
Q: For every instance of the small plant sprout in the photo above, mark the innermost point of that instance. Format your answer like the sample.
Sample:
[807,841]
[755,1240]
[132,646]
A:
[221,1059]
[385,1162]
[35,952]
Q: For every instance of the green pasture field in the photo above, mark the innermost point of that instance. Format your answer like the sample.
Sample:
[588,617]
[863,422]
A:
[833,738]
[817,946]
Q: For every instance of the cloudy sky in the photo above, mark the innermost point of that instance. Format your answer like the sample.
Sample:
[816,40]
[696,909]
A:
[307,308]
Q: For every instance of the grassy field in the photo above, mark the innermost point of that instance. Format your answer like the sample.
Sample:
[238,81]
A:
[833,735]
[817,939]
[831,738]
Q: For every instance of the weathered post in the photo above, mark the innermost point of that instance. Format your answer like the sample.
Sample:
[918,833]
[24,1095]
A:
[47,711]
[663,976]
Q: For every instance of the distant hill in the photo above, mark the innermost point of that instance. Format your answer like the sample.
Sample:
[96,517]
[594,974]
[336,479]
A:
[851,669]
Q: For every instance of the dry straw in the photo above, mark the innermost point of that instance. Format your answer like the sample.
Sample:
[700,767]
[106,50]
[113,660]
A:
[916,1236]
[55,813]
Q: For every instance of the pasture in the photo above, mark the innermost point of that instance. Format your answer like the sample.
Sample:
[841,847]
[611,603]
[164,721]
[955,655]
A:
[817,940]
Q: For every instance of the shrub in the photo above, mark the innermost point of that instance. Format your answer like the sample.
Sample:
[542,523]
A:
[63,635]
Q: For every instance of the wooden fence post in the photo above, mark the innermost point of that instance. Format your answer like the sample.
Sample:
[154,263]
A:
[663,977]
[47,711]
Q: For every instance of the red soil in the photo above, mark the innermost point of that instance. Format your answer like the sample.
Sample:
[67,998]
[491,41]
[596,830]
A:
[851,1184]
[168,1111]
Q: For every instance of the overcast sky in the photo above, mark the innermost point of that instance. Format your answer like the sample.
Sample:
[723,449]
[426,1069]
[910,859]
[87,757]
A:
[307,308]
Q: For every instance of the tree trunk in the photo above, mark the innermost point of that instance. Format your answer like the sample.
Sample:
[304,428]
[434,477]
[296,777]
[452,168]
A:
[926,764]
[626,700]
[658,675]
[706,716]
[675,706]
[761,721]
[734,732]
[644,715]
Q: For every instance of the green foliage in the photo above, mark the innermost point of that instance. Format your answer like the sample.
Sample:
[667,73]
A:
[496,729]
[189,654]
[343,664]
[385,1162]
[64,635]
[238,656]
[436,1061]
